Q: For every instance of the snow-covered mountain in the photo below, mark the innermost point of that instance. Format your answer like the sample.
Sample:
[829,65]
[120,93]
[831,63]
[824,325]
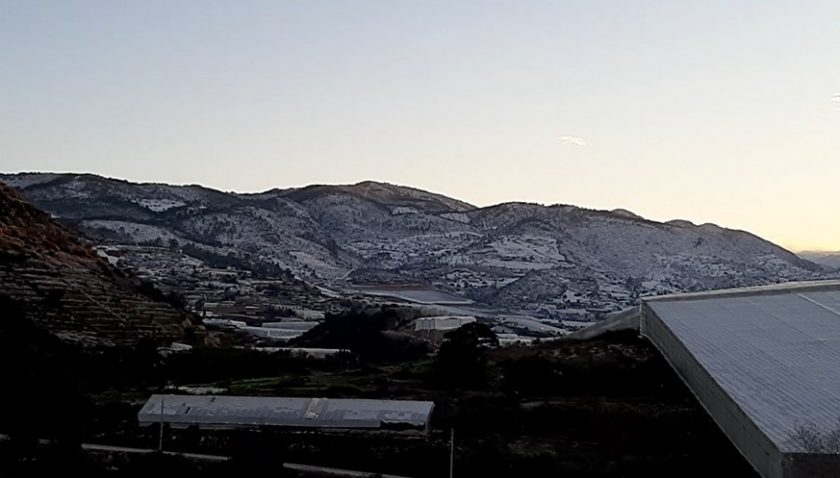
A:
[831,260]
[560,262]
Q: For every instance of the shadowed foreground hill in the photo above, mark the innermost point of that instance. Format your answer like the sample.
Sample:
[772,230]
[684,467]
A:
[64,288]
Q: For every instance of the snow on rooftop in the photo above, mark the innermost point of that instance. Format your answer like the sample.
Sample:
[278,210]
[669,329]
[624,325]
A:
[442,323]
[220,410]
[782,288]
[774,350]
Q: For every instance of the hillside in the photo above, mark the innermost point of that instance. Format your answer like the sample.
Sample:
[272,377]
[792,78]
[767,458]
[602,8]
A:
[830,260]
[386,194]
[63,287]
[554,262]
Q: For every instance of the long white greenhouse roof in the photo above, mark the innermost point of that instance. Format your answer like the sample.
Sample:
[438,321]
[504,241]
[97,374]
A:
[219,410]
[775,351]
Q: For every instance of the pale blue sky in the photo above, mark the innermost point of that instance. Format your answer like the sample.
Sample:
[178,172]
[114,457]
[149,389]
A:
[712,111]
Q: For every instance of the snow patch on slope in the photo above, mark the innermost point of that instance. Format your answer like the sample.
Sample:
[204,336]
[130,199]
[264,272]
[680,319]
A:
[159,205]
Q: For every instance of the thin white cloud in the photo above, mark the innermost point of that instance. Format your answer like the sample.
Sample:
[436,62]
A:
[836,101]
[575,140]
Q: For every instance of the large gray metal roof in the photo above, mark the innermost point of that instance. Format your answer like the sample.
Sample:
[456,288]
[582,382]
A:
[219,410]
[775,351]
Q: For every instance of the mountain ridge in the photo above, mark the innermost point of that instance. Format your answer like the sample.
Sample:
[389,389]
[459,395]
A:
[555,262]
[349,187]
[829,259]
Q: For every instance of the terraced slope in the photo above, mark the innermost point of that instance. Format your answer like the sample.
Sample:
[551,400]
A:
[66,289]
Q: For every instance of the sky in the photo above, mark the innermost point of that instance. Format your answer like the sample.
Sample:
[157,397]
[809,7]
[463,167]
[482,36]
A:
[710,111]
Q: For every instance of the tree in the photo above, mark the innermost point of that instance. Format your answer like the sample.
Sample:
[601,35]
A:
[533,375]
[822,447]
[462,358]
[812,440]
[365,334]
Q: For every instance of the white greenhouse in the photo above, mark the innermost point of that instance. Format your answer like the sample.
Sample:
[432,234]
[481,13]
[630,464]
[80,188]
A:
[218,411]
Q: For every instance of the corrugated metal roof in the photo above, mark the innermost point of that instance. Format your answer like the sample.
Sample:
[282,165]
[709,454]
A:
[775,351]
[284,411]
[772,289]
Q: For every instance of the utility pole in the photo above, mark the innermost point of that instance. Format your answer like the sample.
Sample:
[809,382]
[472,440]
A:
[451,452]
[160,438]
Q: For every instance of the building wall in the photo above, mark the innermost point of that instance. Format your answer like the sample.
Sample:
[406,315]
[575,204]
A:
[808,465]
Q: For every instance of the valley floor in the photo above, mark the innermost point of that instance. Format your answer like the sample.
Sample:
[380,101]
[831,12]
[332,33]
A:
[603,408]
